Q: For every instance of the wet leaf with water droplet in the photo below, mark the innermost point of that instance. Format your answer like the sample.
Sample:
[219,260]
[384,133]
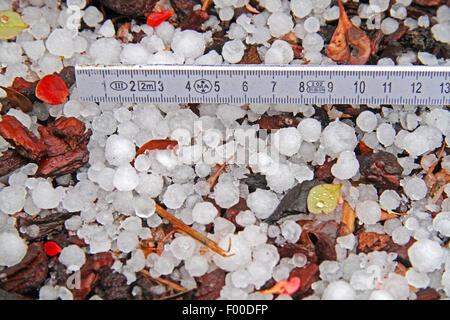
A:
[323,198]
[11,24]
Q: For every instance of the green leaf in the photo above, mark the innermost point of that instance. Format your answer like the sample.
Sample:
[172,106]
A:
[323,198]
[11,24]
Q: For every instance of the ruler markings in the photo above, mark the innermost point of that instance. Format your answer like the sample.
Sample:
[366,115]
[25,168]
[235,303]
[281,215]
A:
[264,84]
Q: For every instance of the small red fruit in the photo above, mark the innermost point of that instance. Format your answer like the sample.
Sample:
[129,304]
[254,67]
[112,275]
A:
[52,90]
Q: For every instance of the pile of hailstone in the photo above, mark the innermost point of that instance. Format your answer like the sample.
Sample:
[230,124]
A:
[115,202]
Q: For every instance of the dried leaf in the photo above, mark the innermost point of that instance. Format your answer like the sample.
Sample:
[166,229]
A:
[372,241]
[134,8]
[324,198]
[428,3]
[277,122]
[210,285]
[251,56]
[52,90]
[157,144]
[347,220]
[194,21]
[428,294]
[346,35]
[308,275]
[11,24]
[18,100]
[89,273]
[381,168]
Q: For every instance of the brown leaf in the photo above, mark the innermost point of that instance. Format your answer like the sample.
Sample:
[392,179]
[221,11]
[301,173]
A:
[210,285]
[323,236]
[381,168]
[277,122]
[287,250]
[428,3]
[347,220]
[251,56]
[372,241]
[231,213]
[323,172]
[18,100]
[10,161]
[113,286]
[89,273]
[133,8]
[183,8]
[194,21]
[346,35]
[29,273]
[428,294]
[308,275]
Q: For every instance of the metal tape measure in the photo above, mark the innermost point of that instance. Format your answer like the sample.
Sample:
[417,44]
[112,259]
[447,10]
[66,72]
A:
[265,84]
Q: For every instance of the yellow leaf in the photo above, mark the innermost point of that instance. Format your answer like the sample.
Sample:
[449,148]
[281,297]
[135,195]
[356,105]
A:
[323,198]
[11,24]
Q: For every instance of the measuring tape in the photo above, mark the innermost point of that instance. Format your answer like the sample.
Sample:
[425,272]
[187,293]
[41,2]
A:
[265,84]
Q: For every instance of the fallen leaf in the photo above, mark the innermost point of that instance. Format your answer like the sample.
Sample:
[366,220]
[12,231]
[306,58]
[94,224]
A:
[11,24]
[89,273]
[347,220]
[277,122]
[293,202]
[428,3]
[18,100]
[323,198]
[194,21]
[154,19]
[381,168]
[284,286]
[134,8]
[210,285]
[156,144]
[428,294]
[346,35]
[308,275]
[52,90]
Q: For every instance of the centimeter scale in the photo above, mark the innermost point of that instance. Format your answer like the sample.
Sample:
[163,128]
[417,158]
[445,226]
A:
[265,84]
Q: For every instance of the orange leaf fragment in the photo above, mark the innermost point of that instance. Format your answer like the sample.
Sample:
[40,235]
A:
[157,144]
[284,286]
[347,34]
[52,90]
[154,19]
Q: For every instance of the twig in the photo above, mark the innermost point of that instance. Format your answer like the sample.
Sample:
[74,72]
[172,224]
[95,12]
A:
[206,4]
[191,232]
[162,281]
